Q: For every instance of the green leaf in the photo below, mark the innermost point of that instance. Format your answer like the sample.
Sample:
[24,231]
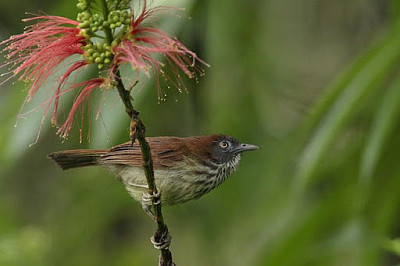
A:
[383,125]
[362,85]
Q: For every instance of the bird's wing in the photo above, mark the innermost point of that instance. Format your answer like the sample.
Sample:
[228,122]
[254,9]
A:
[126,154]
[165,152]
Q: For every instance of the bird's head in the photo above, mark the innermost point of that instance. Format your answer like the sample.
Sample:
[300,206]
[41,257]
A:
[219,149]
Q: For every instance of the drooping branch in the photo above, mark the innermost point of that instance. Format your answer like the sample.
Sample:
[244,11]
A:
[138,132]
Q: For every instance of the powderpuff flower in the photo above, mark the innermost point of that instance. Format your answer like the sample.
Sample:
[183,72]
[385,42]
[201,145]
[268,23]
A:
[35,55]
[87,88]
[117,37]
[148,49]
[37,52]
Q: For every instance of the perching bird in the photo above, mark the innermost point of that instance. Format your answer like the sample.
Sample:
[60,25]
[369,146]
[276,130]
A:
[184,168]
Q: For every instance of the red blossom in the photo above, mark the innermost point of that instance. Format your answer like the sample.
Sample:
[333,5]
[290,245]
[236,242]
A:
[35,55]
[87,88]
[77,65]
[141,48]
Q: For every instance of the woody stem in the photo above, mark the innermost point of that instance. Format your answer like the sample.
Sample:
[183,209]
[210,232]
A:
[138,131]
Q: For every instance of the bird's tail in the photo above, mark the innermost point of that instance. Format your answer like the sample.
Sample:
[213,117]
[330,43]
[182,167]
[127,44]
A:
[76,158]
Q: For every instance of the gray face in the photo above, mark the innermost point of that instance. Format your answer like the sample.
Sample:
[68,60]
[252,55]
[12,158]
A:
[226,149]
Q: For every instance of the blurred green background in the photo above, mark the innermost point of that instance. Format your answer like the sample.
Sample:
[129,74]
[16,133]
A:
[315,83]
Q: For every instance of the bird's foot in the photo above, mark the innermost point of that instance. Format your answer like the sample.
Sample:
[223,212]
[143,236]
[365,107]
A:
[150,199]
[147,202]
[161,239]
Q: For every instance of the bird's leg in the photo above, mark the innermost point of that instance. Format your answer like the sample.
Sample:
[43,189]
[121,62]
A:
[147,202]
[147,208]
[161,239]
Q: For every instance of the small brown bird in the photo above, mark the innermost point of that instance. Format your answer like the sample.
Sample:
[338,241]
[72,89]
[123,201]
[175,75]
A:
[184,168]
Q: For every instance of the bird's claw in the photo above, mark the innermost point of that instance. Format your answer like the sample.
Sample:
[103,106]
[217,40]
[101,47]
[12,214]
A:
[147,202]
[163,242]
[153,198]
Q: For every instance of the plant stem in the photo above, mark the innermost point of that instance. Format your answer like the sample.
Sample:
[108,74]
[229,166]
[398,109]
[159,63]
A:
[138,131]
[107,30]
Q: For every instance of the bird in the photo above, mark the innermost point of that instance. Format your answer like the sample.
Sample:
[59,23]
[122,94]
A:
[185,168]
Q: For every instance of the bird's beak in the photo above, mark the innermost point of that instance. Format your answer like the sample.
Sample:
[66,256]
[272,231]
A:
[246,147]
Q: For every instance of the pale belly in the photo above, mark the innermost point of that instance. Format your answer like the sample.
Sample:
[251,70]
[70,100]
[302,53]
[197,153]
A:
[175,186]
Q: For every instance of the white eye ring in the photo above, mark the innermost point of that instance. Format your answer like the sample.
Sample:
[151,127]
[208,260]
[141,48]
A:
[224,144]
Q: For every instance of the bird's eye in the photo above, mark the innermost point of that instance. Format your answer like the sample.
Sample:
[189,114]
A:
[224,145]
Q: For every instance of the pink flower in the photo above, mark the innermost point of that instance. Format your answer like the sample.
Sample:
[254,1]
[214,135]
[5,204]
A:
[87,88]
[144,43]
[35,54]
